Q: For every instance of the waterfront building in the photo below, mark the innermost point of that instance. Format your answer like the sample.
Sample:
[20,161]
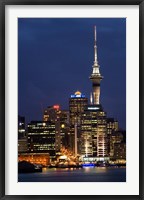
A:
[77,104]
[42,138]
[93,159]
[35,158]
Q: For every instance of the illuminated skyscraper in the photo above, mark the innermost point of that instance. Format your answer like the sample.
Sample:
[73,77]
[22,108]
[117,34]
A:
[77,104]
[112,125]
[41,138]
[52,114]
[115,138]
[61,120]
[94,132]
[64,128]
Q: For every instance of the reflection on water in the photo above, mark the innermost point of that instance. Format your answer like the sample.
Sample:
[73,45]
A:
[87,174]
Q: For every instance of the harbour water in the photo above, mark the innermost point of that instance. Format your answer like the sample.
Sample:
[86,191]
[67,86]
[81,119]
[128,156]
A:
[87,174]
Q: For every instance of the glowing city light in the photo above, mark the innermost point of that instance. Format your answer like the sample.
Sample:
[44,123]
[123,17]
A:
[56,107]
[62,126]
[77,93]
[93,108]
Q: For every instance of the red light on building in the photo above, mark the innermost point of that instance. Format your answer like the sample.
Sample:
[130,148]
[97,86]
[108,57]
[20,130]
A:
[56,107]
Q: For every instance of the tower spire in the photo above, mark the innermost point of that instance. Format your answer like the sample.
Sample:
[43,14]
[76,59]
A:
[95,65]
[95,48]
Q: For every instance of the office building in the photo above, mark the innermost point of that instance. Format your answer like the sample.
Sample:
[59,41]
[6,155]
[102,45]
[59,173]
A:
[77,104]
[115,138]
[42,138]
[112,125]
[61,120]
[52,114]
[65,129]
[94,132]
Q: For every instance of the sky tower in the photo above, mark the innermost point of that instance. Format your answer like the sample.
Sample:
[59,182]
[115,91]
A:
[95,76]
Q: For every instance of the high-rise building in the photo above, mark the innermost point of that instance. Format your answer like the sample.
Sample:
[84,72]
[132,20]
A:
[64,129]
[41,138]
[112,125]
[77,104]
[52,114]
[61,120]
[115,138]
[94,132]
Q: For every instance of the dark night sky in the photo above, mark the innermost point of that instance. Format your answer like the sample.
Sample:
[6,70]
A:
[55,58]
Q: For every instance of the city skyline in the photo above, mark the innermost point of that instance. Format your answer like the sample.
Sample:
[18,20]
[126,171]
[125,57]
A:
[56,58]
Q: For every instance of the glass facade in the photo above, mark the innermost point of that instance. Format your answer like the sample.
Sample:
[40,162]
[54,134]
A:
[77,104]
[94,132]
[42,138]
